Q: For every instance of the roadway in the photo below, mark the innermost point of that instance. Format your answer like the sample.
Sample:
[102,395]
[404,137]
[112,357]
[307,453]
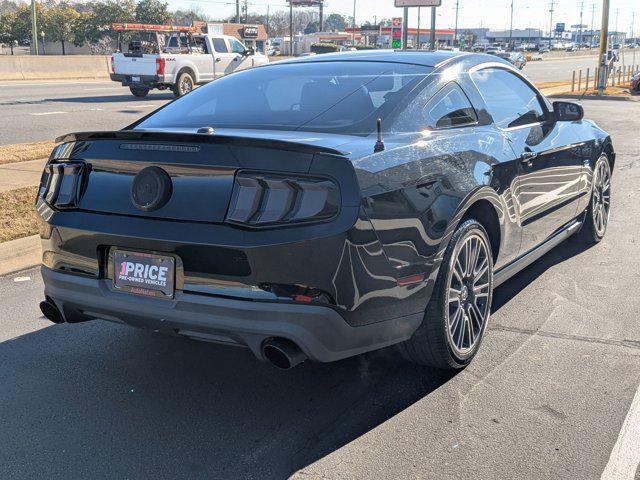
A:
[34,111]
[550,395]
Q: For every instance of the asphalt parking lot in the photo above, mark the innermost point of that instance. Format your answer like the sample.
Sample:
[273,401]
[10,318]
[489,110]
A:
[546,397]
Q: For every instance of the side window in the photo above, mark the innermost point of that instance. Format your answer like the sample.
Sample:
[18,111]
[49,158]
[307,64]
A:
[511,102]
[450,107]
[198,45]
[237,47]
[220,45]
[446,108]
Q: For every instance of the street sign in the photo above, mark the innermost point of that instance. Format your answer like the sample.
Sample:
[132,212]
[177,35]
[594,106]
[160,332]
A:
[418,3]
[396,33]
[560,27]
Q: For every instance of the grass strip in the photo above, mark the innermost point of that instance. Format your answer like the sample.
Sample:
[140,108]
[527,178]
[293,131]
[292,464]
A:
[18,217]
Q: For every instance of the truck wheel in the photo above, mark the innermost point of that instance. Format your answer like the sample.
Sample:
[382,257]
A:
[184,84]
[457,314]
[139,91]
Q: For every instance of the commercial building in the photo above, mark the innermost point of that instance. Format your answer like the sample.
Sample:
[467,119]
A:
[254,36]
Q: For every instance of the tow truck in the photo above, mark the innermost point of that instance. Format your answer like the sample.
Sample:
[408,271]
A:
[175,57]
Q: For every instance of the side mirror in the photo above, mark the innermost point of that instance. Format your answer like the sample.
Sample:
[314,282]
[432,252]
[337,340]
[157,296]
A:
[249,52]
[568,111]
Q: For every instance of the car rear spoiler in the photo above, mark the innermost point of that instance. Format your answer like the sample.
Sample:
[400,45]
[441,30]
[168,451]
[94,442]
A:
[199,138]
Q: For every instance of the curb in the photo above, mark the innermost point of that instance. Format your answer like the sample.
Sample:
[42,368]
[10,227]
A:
[574,96]
[20,254]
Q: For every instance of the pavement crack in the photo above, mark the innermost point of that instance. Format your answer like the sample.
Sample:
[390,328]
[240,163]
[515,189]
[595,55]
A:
[635,344]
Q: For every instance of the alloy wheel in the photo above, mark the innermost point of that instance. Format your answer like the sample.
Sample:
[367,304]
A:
[601,197]
[468,296]
[186,85]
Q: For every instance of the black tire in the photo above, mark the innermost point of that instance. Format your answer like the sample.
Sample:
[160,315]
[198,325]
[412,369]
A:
[184,84]
[592,231]
[432,344]
[139,91]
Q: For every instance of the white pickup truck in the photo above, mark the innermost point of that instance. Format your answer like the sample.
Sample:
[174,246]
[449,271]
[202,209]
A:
[180,64]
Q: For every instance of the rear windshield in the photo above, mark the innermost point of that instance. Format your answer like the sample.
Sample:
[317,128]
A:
[330,97]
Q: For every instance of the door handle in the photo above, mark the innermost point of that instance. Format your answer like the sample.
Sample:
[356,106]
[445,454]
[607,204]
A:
[527,156]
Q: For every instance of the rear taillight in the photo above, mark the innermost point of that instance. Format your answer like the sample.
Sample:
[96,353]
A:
[160,62]
[268,200]
[61,181]
[61,186]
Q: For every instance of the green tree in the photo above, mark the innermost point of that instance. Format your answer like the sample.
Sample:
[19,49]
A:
[312,27]
[16,26]
[96,24]
[60,24]
[335,22]
[7,30]
[153,11]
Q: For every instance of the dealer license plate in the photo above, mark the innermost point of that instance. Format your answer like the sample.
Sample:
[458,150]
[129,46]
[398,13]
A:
[144,273]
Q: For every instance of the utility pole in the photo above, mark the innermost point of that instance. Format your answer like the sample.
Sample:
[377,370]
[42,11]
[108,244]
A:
[604,39]
[455,30]
[433,28]
[291,50]
[321,19]
[580,28]
[267,25]
[353,37]
[418,36]
[551,25]
[34,28]
[237,11]
[593,14]
[405,29]
[511,29]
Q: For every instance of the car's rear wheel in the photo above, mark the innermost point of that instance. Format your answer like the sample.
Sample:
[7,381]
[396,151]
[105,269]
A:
[139,91]
[456,318]
[184,84]
[596,219]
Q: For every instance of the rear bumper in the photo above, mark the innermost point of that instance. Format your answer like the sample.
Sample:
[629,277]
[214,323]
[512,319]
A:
[126,80]
[320,332]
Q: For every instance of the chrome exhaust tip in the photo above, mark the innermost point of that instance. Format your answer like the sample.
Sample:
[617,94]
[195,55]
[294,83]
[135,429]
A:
[282,353]
[51,312]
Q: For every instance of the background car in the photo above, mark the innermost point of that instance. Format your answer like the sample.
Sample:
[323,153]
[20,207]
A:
[516,59]
[635,83]
[342,203]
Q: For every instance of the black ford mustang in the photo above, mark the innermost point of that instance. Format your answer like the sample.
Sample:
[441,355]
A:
[323,207]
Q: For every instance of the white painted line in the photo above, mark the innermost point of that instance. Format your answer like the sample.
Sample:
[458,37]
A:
[46,113]
[625,456]
[20,84]
[101,88]
[146,105]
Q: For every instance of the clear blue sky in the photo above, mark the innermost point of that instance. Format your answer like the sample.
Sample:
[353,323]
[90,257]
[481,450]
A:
[490,13]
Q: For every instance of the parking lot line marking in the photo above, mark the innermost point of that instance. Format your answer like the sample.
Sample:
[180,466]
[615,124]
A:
[47,113]
[625,456]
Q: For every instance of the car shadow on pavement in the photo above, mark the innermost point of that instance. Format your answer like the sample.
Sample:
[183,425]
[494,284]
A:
[114,98]
[566,250]
[100,400]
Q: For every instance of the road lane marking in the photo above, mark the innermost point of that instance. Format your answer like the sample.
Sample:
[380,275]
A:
[20,84]
[146,105]
[625,456]
[47,113]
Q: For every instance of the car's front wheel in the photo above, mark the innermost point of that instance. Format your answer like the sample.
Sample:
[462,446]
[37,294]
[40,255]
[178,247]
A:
[456,318]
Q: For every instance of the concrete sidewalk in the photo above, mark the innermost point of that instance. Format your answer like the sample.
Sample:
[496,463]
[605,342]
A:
[21,174]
